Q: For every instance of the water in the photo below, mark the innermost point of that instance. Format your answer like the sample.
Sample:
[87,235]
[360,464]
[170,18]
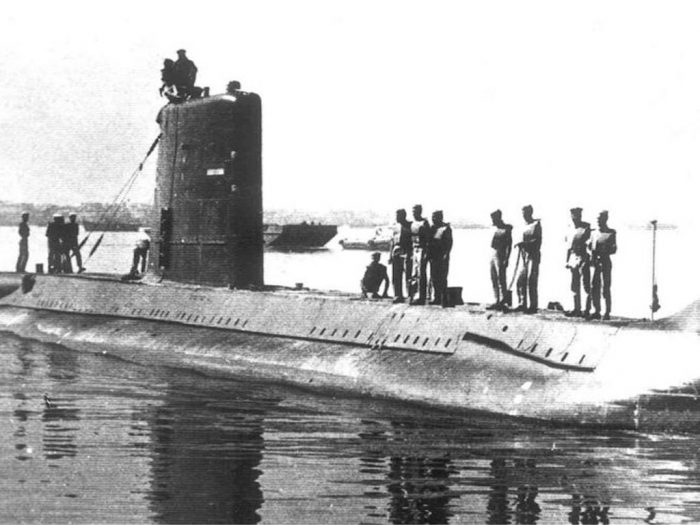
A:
[118,442]
[124,443]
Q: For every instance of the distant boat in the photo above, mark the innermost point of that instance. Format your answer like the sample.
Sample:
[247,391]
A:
[380,241]
[298,236]
[111,226]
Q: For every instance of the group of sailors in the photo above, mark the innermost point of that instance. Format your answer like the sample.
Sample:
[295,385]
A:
[63,244]
[62,239]
[418,245]
[179,77]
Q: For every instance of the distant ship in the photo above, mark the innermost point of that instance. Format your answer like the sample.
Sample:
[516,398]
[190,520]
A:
[380,241]
[111,226]
[298,236]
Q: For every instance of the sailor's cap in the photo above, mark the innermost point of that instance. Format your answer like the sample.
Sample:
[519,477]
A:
[496,214]
[576,210]
[603,214]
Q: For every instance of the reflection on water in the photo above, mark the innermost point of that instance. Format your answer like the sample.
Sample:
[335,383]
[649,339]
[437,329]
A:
[205,459]
[122,443]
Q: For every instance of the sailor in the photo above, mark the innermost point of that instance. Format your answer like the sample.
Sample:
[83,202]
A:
[64,246]
[72,231]
[438,254]
[185,73]
[420,231]
[53,237]
[529,251]
[400,253]
[603,245]
[578,261]
[168,77]
[375,275]
[233,87]
[501,245]
[143,244]
[23,244]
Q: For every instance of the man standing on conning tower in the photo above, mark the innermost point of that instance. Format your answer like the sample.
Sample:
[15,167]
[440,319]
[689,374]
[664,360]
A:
[185,74]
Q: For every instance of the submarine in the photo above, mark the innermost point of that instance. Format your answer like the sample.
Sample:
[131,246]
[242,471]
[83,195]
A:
[203,305]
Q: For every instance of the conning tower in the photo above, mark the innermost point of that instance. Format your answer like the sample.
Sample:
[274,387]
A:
[208,197]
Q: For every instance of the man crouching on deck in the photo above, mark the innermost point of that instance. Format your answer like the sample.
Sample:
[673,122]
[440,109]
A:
[375,274]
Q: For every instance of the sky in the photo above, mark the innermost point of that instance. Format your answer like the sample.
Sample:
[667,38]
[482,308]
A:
[462,106]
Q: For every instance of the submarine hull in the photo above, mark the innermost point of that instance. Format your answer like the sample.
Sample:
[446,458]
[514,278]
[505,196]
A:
[460,358]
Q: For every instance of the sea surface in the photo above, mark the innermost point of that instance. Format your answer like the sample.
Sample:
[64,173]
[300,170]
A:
[92,439]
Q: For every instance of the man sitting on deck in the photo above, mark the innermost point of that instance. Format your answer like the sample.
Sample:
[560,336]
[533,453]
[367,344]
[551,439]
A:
[375,274]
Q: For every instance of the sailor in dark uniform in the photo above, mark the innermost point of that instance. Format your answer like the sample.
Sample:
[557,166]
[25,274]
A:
[73,248]
[64,246]
[420,231]
[53,237]
[169,78]
[185,73]
[578,261]
[400,253]
[501,245]
[375,275]
[603,245]
[438,254]
[23,231]
[530,253]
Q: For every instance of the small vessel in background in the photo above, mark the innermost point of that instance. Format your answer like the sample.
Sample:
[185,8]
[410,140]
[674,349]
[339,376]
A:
[111,226]
[298,236]
[380,241]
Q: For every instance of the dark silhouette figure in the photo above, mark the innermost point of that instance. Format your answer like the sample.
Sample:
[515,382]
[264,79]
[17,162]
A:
[501,246]
[530,253]
[169,78]
[438,254]
[375,275]
[420,232]
[185,74]
[400,253]
[23,231]
[53,236]
[64,243]
[73,247]
[603,245]
[578,262]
